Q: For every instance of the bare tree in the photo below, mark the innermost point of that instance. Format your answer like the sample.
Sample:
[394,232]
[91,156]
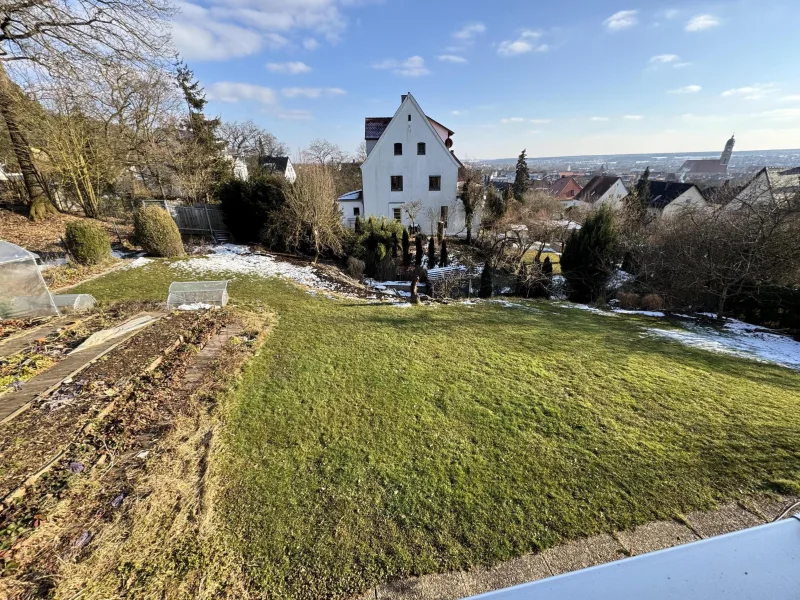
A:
[412,209]
[323,152]
[311,213]
[471,198]
[361,152]
[247,141]
[66,39]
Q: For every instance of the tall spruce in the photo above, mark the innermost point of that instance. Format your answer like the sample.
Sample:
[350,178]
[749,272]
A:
[485,290]
[495,203]
[418,250]
[431,254]
[358,226]
[444,258]
[590,255]
[406,248]
[394,244]
[521,178]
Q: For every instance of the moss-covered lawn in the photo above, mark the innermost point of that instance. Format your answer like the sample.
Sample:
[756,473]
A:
[368,442]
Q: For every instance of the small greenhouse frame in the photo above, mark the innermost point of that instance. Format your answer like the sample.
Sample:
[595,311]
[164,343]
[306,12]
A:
[23,293]
[74,302]
[211,293]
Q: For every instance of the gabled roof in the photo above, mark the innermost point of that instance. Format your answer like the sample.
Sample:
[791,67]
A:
[409,98]
[596,188]
[351,196]
[281,163]
[664,192]
[559,185]
[375,126]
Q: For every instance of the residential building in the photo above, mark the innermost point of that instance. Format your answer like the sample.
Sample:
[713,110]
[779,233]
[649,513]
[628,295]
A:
[708,166]
[409,157]
[603,189]
[352,205]
[769,186]
[671,198]
[280,165]
[565,188]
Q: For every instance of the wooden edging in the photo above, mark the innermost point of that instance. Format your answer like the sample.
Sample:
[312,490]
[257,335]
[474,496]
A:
[59,383]
[19,492]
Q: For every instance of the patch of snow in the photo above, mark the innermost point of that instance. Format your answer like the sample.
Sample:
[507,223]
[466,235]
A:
[139,262]
[618,279]
[743,342]
[233,258]
[645,313]
[404,294]
[196,306]
[402,305]
[507,304]
[505,290]
[586,307]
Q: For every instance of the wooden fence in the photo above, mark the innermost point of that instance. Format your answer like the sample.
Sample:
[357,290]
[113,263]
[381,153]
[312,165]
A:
[205,219]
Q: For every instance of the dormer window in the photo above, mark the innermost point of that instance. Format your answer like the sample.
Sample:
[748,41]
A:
[421,148]
[398,149]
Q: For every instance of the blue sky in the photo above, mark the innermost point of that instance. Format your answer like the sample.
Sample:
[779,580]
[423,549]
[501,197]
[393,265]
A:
[557,78]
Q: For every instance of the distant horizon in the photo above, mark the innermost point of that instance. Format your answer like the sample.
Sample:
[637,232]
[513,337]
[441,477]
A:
[622,154]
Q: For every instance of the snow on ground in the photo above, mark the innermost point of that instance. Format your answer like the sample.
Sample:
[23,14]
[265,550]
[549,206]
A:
[507,304]
[737,339]
[232,258]
[139,262]
[196,306]
[586,307]
[644,313]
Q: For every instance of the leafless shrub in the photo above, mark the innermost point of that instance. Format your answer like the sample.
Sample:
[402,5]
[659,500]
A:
[653,302]
[355,267]
[629,300]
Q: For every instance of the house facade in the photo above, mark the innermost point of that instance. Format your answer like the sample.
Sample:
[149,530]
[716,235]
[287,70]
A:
[280,165]
[408,159]
[671,198]
[769,186]
[604,190]
[565,188]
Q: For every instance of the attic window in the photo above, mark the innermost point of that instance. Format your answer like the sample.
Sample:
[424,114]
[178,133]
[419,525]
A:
[421,148]
[398,149]
[409,117]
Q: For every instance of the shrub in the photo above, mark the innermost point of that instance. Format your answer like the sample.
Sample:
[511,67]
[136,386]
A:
[156,232]
[589,256]
[387,269]
[444,258]
[418,249]
[87,242]
[485,290]
[629,300]
[355,268]
[653,302]
[247,206]
[431,254]
[406,248]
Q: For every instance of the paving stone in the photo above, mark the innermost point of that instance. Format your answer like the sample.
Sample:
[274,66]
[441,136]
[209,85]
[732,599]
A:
[769,507]
[728,518]
[583,553]
[512,572]
[445,586]
[656,536]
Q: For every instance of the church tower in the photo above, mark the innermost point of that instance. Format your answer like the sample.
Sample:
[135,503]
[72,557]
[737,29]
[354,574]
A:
[726,154]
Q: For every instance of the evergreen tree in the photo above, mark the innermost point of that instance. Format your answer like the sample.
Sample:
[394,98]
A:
[486,282]
[418,249]
[508,196]
[521,179]
[590,255]
[643,188]
[372,258]
[547,267]
[495,203]
[406,248]
[431,254]
[358,226]
[443,258]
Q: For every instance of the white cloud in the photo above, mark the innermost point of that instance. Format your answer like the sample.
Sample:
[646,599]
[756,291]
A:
[228,91]
[458,113]
[621,20]
[633,117]
[662,59]
[468,32]
[413,66]
[702,22]
[599,119]
[782,114]
[687,89]
[541,121]
[792,98]
[523,44]
[752,92]
[453,58]
[234,28]
[297,92]
[512,120]
[681,65]
[295,115]
[291,68]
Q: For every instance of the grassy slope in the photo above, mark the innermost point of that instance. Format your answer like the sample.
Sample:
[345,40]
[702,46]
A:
[372,442]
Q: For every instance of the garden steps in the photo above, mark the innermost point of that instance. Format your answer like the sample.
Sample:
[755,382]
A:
[586,552]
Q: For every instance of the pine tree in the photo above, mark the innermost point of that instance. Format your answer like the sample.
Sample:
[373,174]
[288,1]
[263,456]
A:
[443,258]
[508,196]
[521,179]
[486,282]
[547,267]
[394,244]
[358,226]
[418,249]
[590,255]
[495,203]
[431,254]
[643,188]
[406,248]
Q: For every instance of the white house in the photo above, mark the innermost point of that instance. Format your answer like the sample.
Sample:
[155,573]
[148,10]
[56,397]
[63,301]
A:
[768,186]
[409,158]
[672,198]
[604,189]
[280,165]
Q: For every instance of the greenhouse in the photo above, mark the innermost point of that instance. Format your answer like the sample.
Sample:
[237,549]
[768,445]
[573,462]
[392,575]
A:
[198,294]
[74,302]
[23,293]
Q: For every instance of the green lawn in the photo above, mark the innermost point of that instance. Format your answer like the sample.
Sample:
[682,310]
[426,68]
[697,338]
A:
[367,442]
